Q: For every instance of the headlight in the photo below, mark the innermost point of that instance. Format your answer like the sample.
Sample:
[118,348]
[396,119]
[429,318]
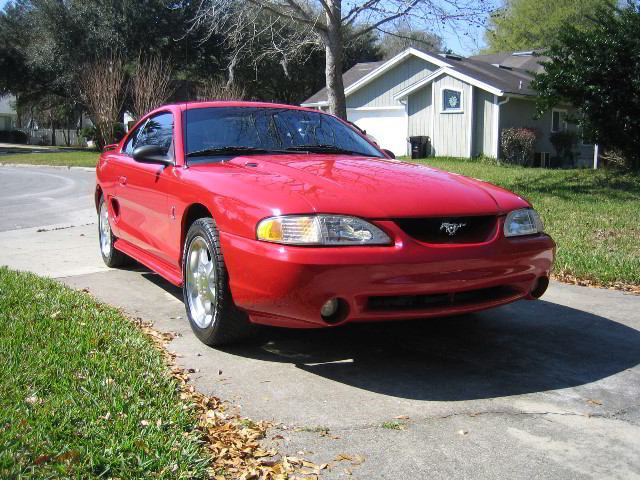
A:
[525,221]
[320,230]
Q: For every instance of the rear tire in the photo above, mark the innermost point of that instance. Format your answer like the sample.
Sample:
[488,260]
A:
[213,316]
[112,258]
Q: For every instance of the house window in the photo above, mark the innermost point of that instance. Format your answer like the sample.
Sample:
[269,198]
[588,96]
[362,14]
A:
[583,142]
[541,159]
[558,120]
[451,100]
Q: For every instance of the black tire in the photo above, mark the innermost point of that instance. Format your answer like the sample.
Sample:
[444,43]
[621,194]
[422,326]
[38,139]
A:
[228,324]
[113,258]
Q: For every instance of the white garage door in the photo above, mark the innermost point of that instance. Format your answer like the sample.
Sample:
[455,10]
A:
[388,126]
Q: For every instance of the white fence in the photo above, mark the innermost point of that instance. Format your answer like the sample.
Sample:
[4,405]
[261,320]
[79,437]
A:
[42,136]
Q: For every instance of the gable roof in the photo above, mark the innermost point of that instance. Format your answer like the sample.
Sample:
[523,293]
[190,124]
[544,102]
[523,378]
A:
[358,79]
[507,80]
[501,73]
[528,61]
[349,77]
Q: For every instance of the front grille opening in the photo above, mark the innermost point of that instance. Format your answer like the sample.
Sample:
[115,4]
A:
[450,230]
[439,300]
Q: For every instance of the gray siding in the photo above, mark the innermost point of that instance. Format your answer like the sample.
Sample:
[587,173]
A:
[451,130]
[380,92]
[420,112]
[519,113]
[6,122]
[484,128]
[6,105]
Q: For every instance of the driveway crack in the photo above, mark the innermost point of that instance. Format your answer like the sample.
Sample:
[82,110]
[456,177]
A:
[423,420]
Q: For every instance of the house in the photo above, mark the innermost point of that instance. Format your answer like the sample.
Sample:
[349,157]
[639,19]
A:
[8,114]
[460,104]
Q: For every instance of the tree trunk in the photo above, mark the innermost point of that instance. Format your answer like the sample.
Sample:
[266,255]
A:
[333,71]
[53,131]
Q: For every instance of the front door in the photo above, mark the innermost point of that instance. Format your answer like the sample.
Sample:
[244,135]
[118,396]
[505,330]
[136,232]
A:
[142,188]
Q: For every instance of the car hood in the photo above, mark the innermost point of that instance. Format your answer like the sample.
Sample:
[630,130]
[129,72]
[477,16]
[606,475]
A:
[378,188]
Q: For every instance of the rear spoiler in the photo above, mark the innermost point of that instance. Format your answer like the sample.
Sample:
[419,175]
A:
[107,148]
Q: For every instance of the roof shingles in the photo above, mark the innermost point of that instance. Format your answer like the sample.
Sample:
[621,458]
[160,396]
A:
[349,77]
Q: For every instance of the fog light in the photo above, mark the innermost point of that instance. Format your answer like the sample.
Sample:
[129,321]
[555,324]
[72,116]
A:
[329,308]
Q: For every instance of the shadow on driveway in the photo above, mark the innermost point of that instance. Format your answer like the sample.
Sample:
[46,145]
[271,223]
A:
[528,346]
[521,348]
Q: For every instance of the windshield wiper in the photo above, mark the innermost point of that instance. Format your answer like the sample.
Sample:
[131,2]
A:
[326,149]
[210,152]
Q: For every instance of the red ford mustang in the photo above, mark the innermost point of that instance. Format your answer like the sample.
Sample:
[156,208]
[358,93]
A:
[278,215]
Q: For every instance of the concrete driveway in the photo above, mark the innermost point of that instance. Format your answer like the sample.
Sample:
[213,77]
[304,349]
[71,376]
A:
[544,389]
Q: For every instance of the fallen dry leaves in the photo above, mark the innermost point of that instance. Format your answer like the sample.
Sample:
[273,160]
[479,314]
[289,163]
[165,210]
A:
[567,278]
[232,440]
[354,459]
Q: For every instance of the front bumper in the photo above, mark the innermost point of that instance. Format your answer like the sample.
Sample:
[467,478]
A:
[287,286]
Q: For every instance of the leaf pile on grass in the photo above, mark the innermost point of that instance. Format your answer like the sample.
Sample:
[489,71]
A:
[84,393]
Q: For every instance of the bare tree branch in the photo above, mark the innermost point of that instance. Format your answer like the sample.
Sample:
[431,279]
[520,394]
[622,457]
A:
[102,88]
[384,20]
[217,89]
[281,29]
[150,84]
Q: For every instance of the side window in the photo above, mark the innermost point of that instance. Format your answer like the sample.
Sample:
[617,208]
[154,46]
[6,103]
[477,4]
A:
[157,130]
[558,120]
[129,144]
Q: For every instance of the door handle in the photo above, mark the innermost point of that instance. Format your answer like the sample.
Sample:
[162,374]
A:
[123,181]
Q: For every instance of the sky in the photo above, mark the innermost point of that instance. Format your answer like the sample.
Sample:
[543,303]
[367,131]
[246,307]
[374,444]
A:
[461,44]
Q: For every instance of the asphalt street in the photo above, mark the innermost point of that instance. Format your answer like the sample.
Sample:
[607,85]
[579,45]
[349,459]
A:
[544,389]
[34,196]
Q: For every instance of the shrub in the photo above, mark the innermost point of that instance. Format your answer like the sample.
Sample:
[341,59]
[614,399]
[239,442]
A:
[518,145]
[93,133]
[615,158]
[594,70]
[564,142]
[14,136]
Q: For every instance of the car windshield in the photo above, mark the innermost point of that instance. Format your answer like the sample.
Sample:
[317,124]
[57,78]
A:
[217,133]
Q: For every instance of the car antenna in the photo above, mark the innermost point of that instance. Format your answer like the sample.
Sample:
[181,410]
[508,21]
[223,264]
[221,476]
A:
[186,103]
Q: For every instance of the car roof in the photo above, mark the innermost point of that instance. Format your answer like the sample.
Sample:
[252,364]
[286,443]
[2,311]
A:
[233,103]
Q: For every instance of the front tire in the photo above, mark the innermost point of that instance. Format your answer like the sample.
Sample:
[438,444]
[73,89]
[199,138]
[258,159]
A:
[213,316]
[112,258]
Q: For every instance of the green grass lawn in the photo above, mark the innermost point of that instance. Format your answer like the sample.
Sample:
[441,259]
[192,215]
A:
[593,215]
[83,158]
[83,393]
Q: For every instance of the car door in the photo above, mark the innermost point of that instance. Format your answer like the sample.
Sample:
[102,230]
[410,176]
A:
[141,189]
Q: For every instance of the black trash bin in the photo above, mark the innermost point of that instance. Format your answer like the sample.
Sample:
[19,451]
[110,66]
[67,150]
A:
[419,146]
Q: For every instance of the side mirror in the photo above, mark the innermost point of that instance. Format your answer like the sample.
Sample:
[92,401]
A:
[151,154]
[388,152]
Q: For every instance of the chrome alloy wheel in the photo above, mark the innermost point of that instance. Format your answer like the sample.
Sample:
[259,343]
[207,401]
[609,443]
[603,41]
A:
[105,230]
[201,283]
